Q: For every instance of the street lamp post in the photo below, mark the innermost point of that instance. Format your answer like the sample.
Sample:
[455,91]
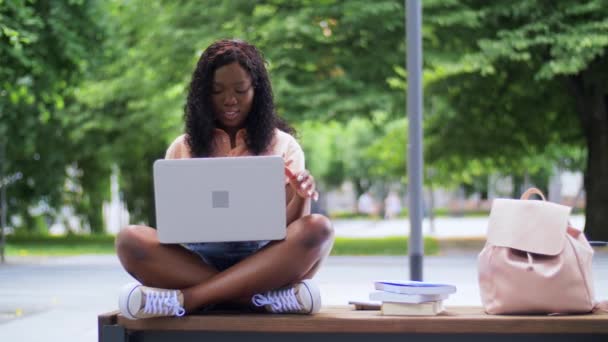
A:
[414,111]
[2,205]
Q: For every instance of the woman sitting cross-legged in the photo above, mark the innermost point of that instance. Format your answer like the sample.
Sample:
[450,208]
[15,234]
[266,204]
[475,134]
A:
[230,112]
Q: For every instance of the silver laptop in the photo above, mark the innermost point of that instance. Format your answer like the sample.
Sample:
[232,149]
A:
[220,199]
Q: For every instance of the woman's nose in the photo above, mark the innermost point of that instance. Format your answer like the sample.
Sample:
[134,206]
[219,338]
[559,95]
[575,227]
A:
[230,99]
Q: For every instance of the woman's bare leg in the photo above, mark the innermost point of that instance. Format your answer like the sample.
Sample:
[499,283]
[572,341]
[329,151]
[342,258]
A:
[159,265]
[309,240]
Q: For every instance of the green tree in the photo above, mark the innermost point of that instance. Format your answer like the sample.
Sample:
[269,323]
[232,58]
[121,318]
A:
[87,84]
[321,142]
[520,76]
[317,54]
[387,153]
[45,48]
[136,94]
[320,55]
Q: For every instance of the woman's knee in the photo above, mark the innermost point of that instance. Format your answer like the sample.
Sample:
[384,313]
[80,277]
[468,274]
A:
[132,244]
[316,230]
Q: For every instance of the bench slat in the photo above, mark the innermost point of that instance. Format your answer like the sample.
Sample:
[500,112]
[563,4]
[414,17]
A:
[345,319]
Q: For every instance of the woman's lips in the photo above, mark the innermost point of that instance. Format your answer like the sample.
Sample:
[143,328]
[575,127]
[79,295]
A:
[231,115]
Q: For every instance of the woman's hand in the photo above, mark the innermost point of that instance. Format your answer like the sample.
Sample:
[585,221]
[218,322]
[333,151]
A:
[303,183]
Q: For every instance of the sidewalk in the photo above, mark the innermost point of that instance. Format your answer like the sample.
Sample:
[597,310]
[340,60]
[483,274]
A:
[58,299]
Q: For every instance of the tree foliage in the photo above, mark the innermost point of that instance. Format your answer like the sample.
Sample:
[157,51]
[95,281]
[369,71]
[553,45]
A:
[45,49]
[510,87]
[136,97]
[525,79]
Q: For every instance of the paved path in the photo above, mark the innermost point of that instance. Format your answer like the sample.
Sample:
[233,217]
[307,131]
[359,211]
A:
[444,227]
[58,299]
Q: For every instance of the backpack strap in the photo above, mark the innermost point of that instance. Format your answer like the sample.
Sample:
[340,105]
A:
[532,191]
[603,305]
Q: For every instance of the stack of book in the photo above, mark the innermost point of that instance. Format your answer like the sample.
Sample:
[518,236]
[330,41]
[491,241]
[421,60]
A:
[411,298]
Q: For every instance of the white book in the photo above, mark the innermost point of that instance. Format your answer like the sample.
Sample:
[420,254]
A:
[384,296]
[414,287]
[405,309]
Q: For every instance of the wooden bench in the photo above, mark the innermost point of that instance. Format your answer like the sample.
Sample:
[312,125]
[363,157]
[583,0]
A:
[342,323]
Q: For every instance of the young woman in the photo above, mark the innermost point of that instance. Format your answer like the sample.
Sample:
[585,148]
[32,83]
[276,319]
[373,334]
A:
[230,112]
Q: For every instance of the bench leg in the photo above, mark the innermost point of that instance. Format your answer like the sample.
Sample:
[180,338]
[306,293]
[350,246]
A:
[113,333]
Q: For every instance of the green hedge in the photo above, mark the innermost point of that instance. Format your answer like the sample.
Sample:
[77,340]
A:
[45,245]
[59,239]
[380,246]
[352,215]
[439,212]
[104,244]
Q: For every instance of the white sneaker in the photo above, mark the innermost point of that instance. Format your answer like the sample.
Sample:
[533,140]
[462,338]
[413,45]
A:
[301,298]
[138,301]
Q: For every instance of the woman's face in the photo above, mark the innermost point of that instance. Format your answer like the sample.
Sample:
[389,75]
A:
[232,96]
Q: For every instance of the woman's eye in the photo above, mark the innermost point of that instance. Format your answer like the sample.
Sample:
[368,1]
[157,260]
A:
[239,91]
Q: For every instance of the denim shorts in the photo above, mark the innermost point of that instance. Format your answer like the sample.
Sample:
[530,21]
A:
[223,255]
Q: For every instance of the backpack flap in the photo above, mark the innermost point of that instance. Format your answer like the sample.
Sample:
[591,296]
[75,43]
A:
[528,225]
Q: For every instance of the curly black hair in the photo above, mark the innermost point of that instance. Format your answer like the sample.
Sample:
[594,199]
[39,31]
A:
[198,111]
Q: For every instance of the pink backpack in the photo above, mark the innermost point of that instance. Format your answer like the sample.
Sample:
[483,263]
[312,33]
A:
[534,262]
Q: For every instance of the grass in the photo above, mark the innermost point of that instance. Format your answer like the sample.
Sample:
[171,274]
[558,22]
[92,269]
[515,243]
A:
[380,246]
[104,244]
[42,245]
[57,249]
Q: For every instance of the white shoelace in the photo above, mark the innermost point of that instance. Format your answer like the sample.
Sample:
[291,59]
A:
[282,300]
[163,303]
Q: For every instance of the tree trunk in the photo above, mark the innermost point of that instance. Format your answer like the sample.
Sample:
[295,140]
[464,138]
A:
[592,101]
[596,186]
[518,182]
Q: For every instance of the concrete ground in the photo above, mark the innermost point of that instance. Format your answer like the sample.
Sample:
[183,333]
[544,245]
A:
[58,299]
